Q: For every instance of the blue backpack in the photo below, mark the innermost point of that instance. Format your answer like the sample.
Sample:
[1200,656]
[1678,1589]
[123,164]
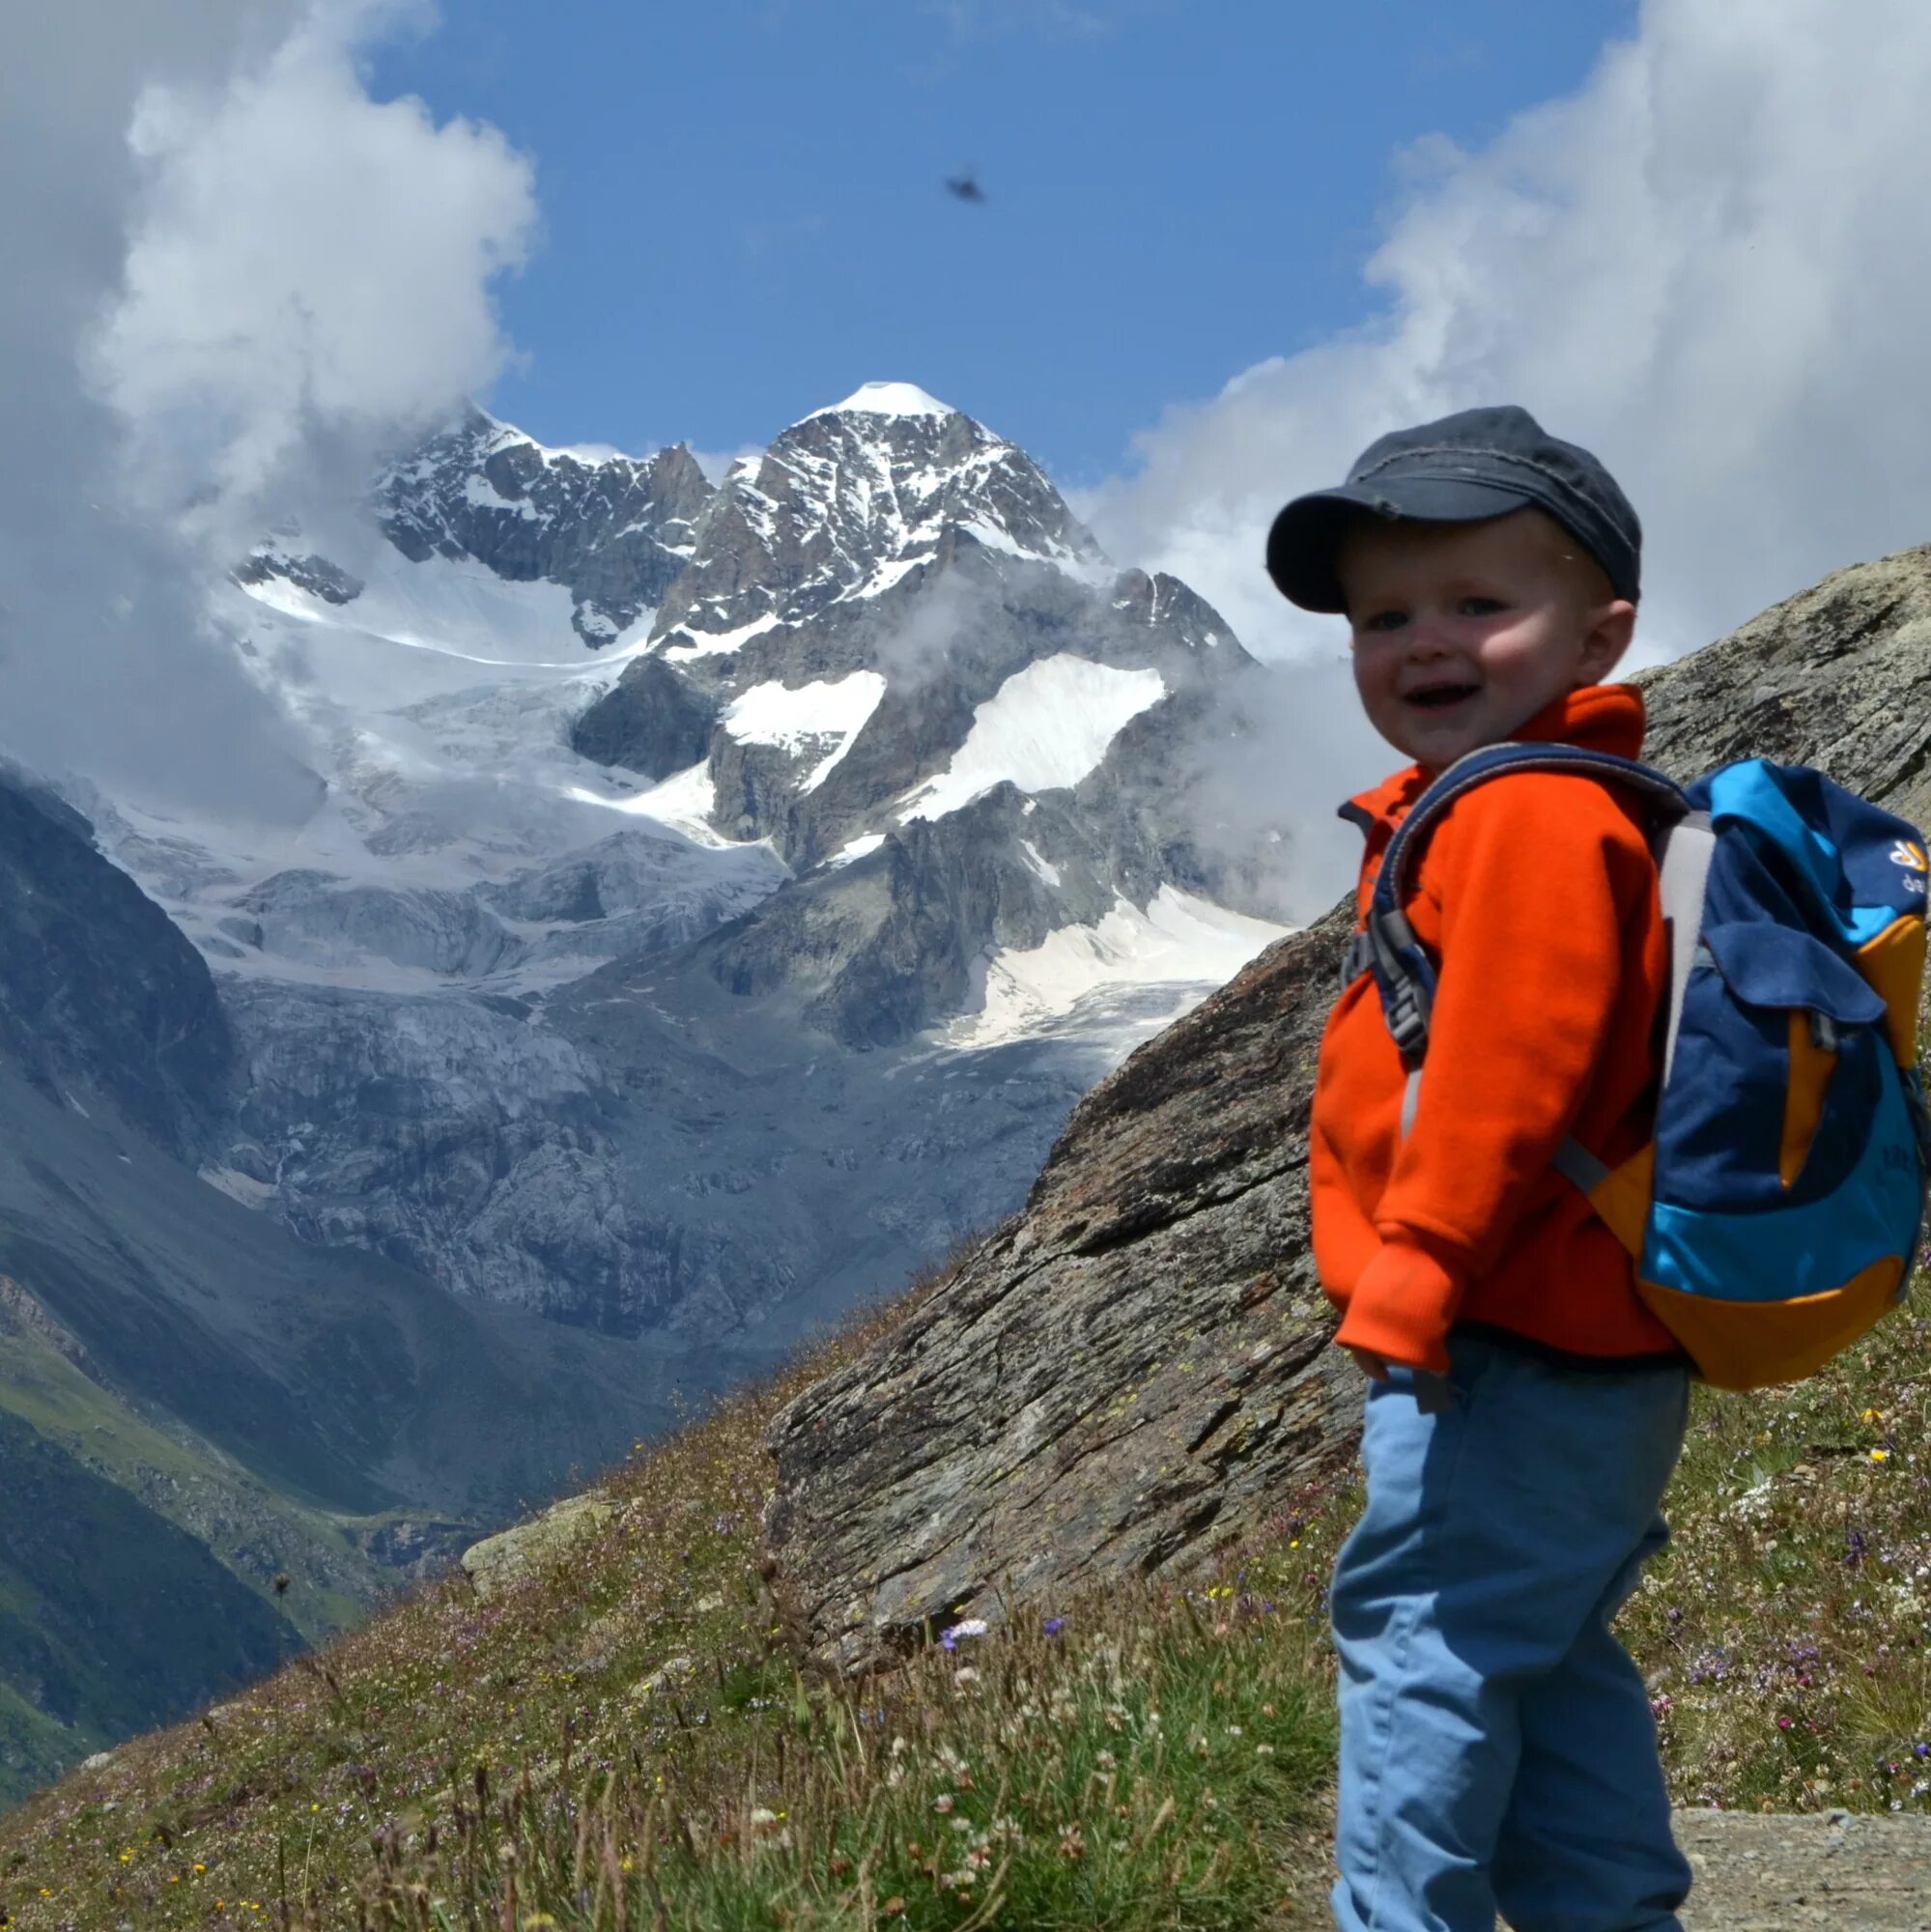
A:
[1776,1215]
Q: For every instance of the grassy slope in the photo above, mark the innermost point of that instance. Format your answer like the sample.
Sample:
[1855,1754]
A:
[633,1720]
[169,1482]
[110,1617]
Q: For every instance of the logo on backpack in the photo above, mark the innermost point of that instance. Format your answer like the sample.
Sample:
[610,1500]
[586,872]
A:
[1776,1215]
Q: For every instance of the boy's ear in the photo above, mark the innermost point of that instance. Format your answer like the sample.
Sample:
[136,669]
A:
[1611,627]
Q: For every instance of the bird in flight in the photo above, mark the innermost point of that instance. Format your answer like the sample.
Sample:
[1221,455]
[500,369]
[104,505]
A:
[965,185]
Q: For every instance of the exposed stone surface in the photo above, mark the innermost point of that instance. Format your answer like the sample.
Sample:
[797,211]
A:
[1132,1371]
[498,1561]
[314,574]
[673,1670]
[655,721]
[1129,1373]
[614,529]
[1838,676]
[101,997]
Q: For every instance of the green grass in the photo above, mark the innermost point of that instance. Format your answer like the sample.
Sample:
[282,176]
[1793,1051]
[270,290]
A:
[111,1619]
[253,1530]
[181,1591]
[632,1738]
[1787,1632]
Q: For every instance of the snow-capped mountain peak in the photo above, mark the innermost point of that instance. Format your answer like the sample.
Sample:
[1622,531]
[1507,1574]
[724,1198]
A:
[592,905]
[613,530]
[888,399]
[850,501]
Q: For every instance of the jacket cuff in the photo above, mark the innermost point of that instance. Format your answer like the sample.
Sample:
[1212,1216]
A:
[1401,1307]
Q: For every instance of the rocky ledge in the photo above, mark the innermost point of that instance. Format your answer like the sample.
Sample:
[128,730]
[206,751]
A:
[1127,1375]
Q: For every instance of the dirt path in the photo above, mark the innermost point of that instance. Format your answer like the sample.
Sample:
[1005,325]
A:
[1783,1874]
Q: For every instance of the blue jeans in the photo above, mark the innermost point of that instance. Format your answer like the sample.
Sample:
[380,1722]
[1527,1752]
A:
[1497,1752]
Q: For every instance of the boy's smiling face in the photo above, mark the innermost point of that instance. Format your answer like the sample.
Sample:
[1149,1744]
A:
[1462,632]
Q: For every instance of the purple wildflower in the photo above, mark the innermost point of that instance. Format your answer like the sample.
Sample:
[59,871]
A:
[967,1627]
[1055,1625]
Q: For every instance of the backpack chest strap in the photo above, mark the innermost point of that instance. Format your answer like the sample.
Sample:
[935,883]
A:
[1404,971]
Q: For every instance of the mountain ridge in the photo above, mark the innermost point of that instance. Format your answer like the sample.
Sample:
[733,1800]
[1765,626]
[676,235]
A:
[364,1179]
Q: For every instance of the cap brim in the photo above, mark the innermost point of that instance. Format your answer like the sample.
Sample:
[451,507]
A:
[1306,536]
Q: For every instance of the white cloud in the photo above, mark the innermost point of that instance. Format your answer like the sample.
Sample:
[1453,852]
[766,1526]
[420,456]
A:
[307,264]
[1711,265]
[266,275]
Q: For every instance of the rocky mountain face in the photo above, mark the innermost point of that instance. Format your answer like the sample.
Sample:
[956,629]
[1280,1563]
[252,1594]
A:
[709,980]
[191,1400]
[101,999]
[714,903]
[1132,1371]
[614,531]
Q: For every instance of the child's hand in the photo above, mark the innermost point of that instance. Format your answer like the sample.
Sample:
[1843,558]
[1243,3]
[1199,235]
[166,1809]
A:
[1371,1365]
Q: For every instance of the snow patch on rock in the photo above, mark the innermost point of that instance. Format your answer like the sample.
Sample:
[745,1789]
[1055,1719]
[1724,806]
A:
[859,848]
[1177,939]
[1042,868]
[1046,727]
[805,717]
[685,642]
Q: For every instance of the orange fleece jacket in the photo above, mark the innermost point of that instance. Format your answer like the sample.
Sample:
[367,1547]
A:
[1536,896]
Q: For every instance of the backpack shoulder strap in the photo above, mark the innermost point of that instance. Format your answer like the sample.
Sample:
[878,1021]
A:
[1403,973]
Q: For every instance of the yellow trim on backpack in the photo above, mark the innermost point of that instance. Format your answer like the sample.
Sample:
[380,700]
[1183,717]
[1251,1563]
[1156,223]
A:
[1747,1345]
[1894,962]
[1810,1069]
[1621,1198]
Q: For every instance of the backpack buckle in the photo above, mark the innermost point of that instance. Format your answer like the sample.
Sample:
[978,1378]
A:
[1406,983]
[1357,959]
[1408,1020]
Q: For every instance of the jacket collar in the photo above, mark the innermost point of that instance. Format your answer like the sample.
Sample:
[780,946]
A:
[1596,717]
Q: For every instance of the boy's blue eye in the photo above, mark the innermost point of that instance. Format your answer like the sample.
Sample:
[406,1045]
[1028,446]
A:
[1383,621]
[1481,607]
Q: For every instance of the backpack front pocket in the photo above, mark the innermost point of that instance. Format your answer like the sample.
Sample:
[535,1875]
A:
[1781,1054]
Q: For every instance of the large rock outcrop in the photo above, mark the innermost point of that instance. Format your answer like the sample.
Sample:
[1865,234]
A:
[1132,1372]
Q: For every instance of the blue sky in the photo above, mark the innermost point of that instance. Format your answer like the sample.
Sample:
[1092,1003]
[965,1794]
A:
[744,213]
[263,240]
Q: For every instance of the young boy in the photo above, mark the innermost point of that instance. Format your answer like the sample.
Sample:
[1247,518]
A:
[1524,1409]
